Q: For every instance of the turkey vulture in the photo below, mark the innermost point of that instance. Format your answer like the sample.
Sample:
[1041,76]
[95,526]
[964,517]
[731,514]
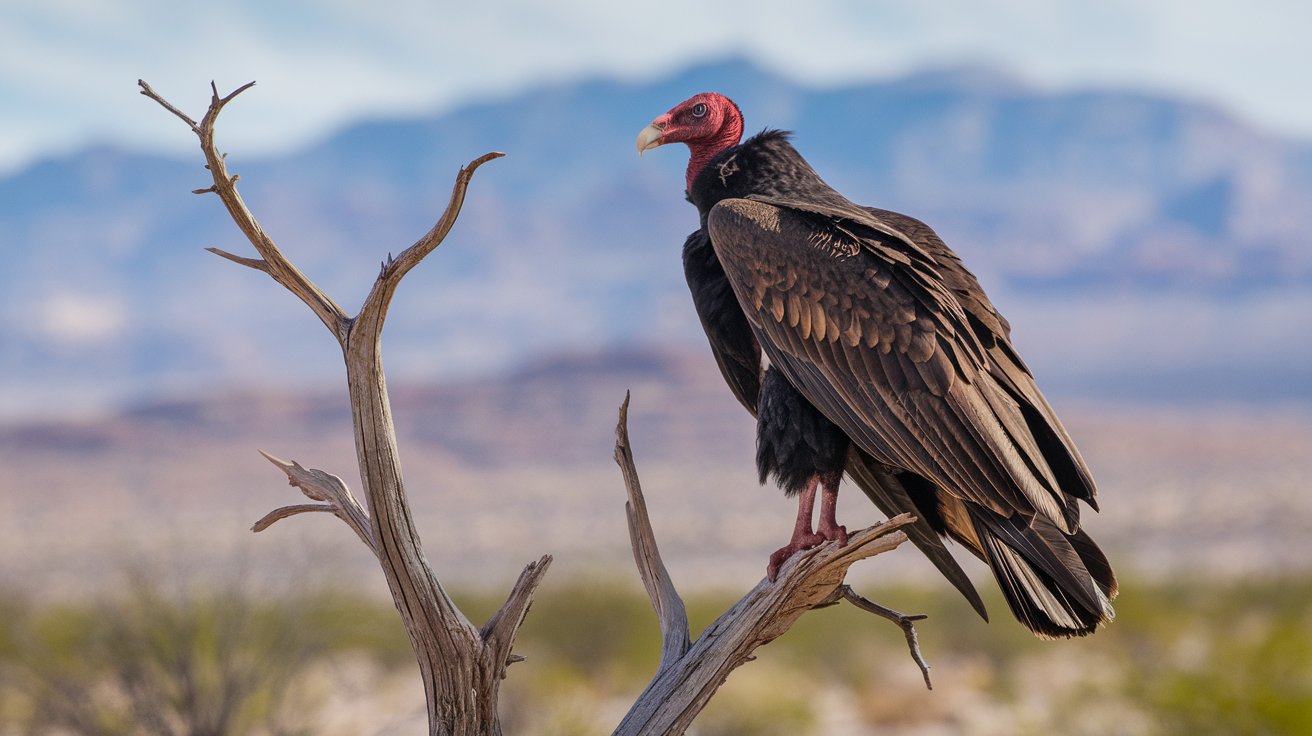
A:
[862,344]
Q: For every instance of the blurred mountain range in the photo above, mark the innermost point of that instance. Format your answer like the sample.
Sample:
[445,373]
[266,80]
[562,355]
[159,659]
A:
[1144,248]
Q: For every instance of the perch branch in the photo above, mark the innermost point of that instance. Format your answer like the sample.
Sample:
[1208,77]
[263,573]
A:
[689,674]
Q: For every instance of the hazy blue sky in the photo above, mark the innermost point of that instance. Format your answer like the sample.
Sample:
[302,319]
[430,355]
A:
[68,67]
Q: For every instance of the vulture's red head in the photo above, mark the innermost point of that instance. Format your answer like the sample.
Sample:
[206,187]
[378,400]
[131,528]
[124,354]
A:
[708,123]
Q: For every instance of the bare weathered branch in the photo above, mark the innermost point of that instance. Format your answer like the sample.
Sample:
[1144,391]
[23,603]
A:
[508,618]
[320,486]
[276,264]
[678,693]
[374,310]
[689,674]
[410,257]
[279,514]
[499,632]
[906,621]
[254,263]
[148,92]
[219,102]
[461,667]
[660,588]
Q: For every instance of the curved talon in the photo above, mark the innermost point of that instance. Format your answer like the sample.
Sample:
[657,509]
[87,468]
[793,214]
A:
[799,543]
[777,559]
[835,533]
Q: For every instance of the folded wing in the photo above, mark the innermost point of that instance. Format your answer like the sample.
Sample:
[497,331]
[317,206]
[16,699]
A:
[884,331]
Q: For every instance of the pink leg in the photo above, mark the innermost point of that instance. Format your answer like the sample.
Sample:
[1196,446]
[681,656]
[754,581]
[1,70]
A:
[803,537]
[829,528]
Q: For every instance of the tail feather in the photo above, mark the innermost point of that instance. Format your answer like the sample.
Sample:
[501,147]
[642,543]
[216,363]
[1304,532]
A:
[891,496]
[1096,563]
[1057,585]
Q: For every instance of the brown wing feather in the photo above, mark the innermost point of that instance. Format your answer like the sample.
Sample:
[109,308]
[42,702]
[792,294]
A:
[890,496]
[939,276]
[1006,366]
[926,398]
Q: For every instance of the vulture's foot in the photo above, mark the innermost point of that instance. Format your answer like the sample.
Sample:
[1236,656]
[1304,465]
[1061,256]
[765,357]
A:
[800,541]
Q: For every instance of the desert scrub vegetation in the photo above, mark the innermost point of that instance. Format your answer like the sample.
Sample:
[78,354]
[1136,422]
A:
[162,660]
[1187,656]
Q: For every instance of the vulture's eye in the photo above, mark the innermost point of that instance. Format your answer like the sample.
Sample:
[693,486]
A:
[699,110]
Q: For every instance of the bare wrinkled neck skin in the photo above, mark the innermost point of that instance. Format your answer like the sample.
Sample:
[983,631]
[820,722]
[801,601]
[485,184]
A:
[701,151]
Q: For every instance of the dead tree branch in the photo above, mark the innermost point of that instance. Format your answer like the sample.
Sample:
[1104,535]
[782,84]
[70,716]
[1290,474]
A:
[907,621]
[690,672]
[461,666]
[225,185]
[660,588]
[320,486]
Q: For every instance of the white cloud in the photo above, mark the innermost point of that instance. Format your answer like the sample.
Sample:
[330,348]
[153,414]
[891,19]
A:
[80,320]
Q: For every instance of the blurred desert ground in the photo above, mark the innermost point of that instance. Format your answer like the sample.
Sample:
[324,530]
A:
[503,469]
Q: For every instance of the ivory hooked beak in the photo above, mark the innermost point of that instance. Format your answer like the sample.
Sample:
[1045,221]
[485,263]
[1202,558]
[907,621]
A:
[650,137]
